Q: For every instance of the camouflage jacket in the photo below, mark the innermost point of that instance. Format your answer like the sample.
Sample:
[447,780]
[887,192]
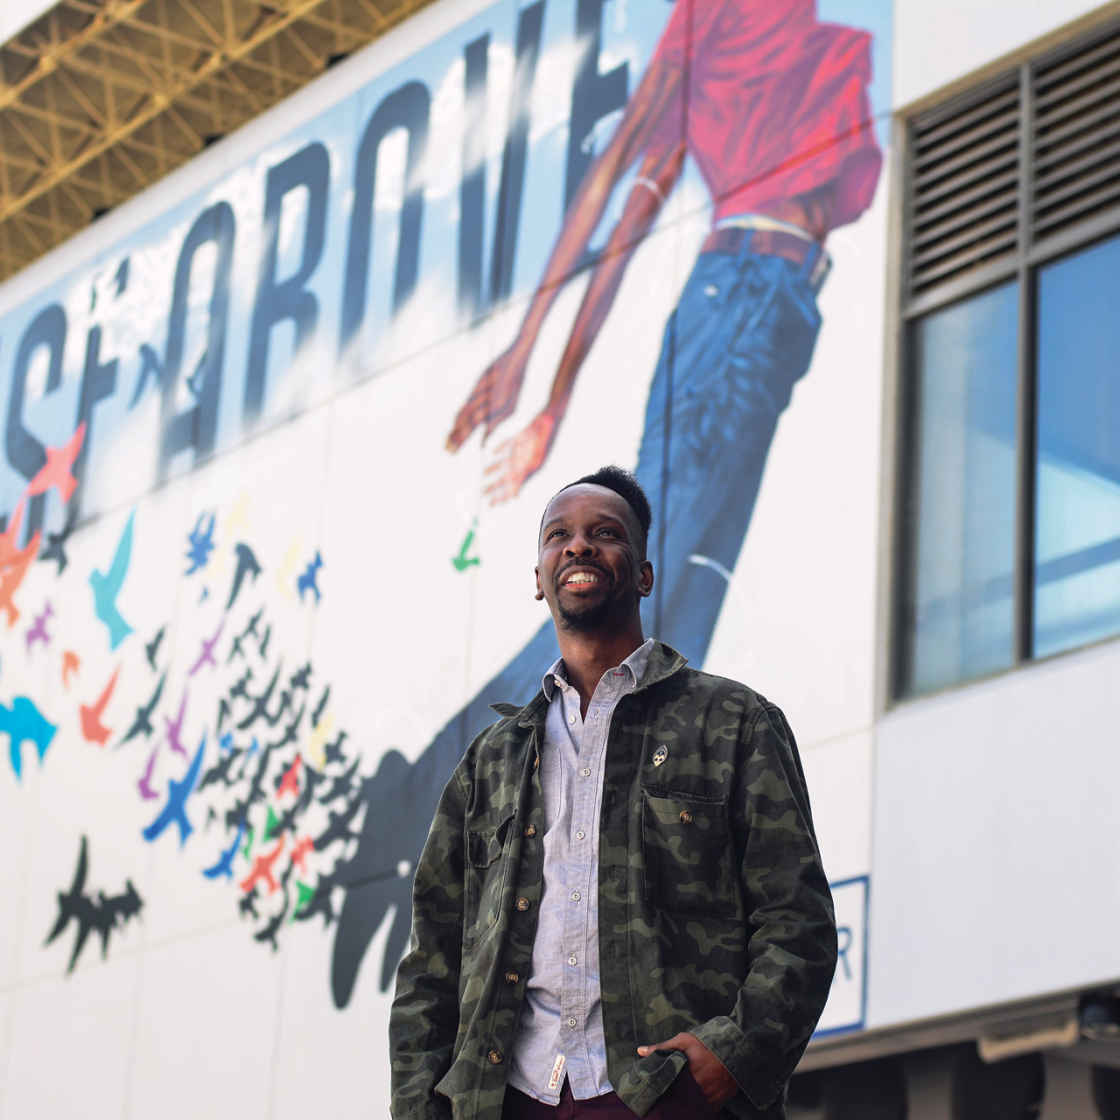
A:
[715,915]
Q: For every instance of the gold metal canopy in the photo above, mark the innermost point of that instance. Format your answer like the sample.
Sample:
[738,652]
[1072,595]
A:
[101,98]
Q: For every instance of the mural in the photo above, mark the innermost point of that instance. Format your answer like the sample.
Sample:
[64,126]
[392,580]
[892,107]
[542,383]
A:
[560,233]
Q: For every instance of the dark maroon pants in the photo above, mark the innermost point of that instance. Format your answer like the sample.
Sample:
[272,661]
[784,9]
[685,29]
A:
[682,1101]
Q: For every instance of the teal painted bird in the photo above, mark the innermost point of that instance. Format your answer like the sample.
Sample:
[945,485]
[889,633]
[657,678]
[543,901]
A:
[107,585]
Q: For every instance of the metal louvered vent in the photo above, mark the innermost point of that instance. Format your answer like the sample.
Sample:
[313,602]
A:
[964,184]
[1076,136]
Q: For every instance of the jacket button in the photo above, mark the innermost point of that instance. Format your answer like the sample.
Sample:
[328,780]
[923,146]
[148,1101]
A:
[531,830]
[686,817]
[495,1057]
[522,904]
[512,977]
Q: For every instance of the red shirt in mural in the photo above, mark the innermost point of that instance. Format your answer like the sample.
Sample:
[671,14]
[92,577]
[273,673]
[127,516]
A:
[775,104]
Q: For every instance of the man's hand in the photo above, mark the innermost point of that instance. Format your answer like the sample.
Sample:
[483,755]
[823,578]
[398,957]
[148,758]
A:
[518,459]
[493,398]
[716,1083]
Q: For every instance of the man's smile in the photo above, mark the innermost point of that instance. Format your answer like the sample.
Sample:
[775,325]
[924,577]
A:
[582,576]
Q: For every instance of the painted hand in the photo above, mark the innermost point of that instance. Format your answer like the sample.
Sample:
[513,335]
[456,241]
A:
[492,399]
[518,459]
[716,1083]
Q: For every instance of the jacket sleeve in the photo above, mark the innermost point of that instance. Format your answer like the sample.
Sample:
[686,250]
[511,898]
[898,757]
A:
[424,1018]
[791,952]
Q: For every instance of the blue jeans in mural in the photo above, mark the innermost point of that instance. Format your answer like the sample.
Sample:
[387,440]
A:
[741,335]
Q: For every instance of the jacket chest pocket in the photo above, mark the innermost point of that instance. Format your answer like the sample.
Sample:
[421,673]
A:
[486,869]
[687,850]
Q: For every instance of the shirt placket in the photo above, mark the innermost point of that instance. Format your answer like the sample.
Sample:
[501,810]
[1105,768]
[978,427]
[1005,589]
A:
[580,926]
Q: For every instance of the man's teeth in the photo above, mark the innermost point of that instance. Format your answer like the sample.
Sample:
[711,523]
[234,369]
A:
[582,577]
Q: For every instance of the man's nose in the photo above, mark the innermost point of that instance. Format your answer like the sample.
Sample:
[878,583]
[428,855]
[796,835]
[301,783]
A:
[579,545]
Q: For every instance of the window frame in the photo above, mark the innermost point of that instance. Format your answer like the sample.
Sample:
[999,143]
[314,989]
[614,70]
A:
[1021,265]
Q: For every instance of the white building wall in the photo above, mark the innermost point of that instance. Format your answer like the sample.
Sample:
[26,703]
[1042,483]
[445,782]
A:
[939,44]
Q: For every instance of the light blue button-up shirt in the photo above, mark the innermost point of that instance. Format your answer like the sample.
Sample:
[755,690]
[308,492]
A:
[561,1028]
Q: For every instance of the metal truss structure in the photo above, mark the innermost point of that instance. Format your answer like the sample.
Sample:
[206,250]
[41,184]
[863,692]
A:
[101,98]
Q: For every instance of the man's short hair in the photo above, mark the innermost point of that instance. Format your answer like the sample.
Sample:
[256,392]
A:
[627,487]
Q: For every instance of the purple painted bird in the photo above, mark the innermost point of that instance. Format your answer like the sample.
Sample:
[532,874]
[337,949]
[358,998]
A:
[38,632]
[144,784]
[207,654]
[175,728]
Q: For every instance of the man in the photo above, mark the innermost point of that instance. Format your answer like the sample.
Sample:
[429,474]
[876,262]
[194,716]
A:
[772,105]
[620,909]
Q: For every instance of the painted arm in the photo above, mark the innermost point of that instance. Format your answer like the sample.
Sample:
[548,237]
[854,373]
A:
[495,394]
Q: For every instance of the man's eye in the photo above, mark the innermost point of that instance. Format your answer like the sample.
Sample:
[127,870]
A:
[553,533]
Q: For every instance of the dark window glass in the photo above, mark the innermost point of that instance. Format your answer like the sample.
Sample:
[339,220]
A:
[1077,512]
[958,619]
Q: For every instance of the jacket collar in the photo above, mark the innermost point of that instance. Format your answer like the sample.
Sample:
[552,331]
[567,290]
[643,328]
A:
[663,662]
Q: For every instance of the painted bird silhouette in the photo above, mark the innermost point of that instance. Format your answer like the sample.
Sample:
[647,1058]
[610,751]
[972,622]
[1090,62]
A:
[107,585]
[262,869]
[309,578]
[246,566]
[151,367]
[14,562]
[71,663]
[175,809]
[56,544]
[174,728]
[152,648]
[57,470]
[224,866]
[93,729]
[316,715]
[289,780]
[300,851]
[206,657]
[332,752]
[101,915]
[462,562]
[23,721]
[144,784]
[260,705]
[200,544]
[142,723]
[38,631]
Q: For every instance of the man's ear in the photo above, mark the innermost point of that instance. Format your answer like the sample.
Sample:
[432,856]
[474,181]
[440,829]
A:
[537,577]
[645,579]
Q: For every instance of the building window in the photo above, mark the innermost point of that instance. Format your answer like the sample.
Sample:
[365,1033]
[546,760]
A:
[1009,510]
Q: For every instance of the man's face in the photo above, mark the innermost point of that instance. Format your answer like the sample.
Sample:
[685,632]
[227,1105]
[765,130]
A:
[589,564]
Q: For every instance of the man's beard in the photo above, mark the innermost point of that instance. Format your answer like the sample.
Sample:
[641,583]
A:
[586,618]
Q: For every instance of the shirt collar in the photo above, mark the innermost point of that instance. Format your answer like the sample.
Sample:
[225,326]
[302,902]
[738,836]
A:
[635,665]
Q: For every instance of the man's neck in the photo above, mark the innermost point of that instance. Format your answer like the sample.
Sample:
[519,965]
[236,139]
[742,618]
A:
[588,656]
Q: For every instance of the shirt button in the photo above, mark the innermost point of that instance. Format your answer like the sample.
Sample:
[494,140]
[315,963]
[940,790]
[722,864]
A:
[530,830]
[495,1057]
[572,1021]
[581,834]
[586,771]
[574,896]
[572,960]
[512,977]
[522,904]
[571,719]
